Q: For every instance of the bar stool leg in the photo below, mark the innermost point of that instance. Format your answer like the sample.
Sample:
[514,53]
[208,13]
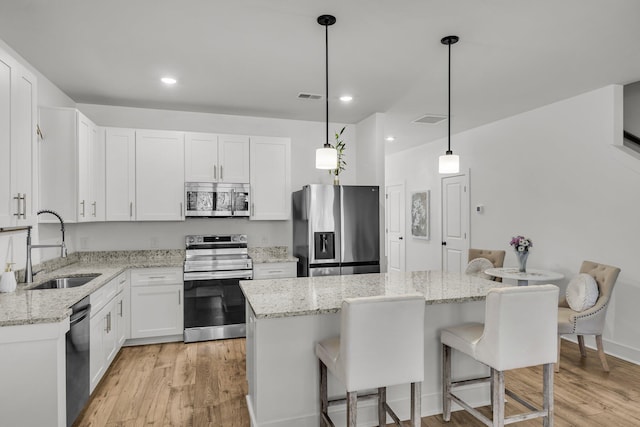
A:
[446,382]
[558,361]
[324,400]
[547,371]
[352,408]
[416,395]
[382,412]
[498,398]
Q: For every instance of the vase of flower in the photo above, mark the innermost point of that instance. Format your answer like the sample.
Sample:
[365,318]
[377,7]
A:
[521,245]
[340,145]
[522,261]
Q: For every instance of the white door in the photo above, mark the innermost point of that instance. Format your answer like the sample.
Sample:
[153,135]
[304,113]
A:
[395,227]
[455,222]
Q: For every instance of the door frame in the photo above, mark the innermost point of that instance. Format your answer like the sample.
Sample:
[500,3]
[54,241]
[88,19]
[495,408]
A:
[466,219]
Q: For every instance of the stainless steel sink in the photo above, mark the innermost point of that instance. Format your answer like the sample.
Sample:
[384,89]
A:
[66,282]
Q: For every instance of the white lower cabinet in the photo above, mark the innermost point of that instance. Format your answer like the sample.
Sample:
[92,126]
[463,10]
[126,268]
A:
[109,326]
[156,302]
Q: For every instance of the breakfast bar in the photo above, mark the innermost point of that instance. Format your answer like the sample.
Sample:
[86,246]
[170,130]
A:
[286,317]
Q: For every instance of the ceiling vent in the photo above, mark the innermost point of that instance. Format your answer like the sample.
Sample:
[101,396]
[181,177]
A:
[430,119]
[312,96]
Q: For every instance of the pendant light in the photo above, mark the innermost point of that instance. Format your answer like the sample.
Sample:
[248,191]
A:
[449,163]
[326,157]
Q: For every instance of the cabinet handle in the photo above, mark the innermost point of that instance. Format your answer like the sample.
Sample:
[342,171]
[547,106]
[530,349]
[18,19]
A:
[82,213]
[275,271]
[130,209]
[121,311]
[24,206]
[157,277]
[106,323]
[21,208]
[94,208]
[179,296]
[181,214]
[215,172]
[221,178]
[252,208]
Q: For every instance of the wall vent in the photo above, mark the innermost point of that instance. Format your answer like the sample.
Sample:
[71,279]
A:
[430,119]
[313,96]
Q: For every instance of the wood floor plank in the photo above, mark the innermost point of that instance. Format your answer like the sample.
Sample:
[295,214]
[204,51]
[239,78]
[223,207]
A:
[204,384]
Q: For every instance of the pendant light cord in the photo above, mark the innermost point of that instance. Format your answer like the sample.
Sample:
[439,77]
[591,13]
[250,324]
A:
[326,98]
[449,110]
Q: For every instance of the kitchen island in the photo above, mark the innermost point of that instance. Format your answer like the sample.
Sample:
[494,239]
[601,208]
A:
[286,317]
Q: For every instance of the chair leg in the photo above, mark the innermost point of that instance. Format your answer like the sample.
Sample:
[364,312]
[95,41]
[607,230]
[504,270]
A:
[446,382]
[324,399]
[498,398]
[583,350]
[558,360]
[382,412]
[603,357]
[491,386]
[352,408]
[416,395]
[547,372]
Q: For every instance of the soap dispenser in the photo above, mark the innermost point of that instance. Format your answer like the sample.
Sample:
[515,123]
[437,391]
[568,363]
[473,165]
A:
[8,280]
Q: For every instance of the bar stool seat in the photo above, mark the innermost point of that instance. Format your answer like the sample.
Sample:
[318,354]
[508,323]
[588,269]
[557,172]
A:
[381,344]
[520,330]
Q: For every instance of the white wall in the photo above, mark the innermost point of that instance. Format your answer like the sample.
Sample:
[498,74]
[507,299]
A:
[554,174]
[305,136]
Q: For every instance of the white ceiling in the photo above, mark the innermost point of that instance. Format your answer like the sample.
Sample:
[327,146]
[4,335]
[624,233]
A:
[252,57]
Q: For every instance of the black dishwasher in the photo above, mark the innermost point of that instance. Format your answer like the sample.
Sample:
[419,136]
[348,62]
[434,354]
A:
[77,363]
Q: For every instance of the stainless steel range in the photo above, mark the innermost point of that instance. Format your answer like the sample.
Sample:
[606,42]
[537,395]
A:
[214,306]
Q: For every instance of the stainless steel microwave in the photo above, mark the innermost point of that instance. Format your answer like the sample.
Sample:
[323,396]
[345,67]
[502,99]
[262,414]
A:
[211,199]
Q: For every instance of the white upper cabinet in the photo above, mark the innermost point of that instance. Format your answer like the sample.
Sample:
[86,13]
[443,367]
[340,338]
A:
[72,169]
[270,178]
[18,101]
[216,158]
[120,175]
[159,175]
[233,158]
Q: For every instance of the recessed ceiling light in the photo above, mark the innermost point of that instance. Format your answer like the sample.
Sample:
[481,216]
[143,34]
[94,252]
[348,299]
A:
[346,98]
[390,138]
[168,80]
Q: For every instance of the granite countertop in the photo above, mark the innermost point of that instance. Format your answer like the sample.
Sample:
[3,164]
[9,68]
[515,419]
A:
[318,295]
[271,254]
[26,306]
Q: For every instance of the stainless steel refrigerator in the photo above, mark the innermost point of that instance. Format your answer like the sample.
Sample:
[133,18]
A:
[336,229]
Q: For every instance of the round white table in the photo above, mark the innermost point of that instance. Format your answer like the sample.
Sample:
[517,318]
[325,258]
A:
[523,279]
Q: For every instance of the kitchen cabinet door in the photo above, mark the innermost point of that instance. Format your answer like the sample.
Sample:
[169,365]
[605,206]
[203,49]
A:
[122,310]
[18,100]
[159,176]
[233,158]
[270,178]
[156,311]
[120,174]
[201,157]
[102,347]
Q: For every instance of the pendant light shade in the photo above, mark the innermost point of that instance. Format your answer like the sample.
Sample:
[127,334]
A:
[326,157]
[449,163]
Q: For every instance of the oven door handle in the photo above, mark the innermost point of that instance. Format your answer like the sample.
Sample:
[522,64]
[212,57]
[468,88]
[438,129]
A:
[211,275]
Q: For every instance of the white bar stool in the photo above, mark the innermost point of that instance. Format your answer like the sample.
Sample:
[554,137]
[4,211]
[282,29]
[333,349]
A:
[381,344]
[520,330]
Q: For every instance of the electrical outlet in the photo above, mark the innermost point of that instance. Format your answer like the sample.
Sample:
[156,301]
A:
[154,243]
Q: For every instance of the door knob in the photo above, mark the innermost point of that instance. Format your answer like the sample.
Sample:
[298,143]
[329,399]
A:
[444,243]
[400,238]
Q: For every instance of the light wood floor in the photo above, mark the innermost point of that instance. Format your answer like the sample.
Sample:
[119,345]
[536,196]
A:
[203,384]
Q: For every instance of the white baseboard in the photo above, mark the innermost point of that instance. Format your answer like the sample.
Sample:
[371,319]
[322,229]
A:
[621,351]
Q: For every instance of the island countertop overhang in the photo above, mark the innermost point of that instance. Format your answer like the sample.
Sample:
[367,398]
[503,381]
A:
[277,298]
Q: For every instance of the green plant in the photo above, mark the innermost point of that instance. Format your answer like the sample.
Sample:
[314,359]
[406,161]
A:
[340,145]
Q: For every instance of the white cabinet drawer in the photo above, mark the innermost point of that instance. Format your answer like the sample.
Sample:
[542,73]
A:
[274,270]
[156,276]
[102,296]
[121,280]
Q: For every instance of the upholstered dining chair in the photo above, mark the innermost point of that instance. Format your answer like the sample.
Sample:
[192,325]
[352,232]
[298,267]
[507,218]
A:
[590,321]
[496,258]
[381,343]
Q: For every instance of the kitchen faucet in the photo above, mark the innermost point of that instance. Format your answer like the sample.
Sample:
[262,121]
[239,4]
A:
[28,270]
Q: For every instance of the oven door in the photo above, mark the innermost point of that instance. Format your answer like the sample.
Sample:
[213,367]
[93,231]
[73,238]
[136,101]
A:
[214,305]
